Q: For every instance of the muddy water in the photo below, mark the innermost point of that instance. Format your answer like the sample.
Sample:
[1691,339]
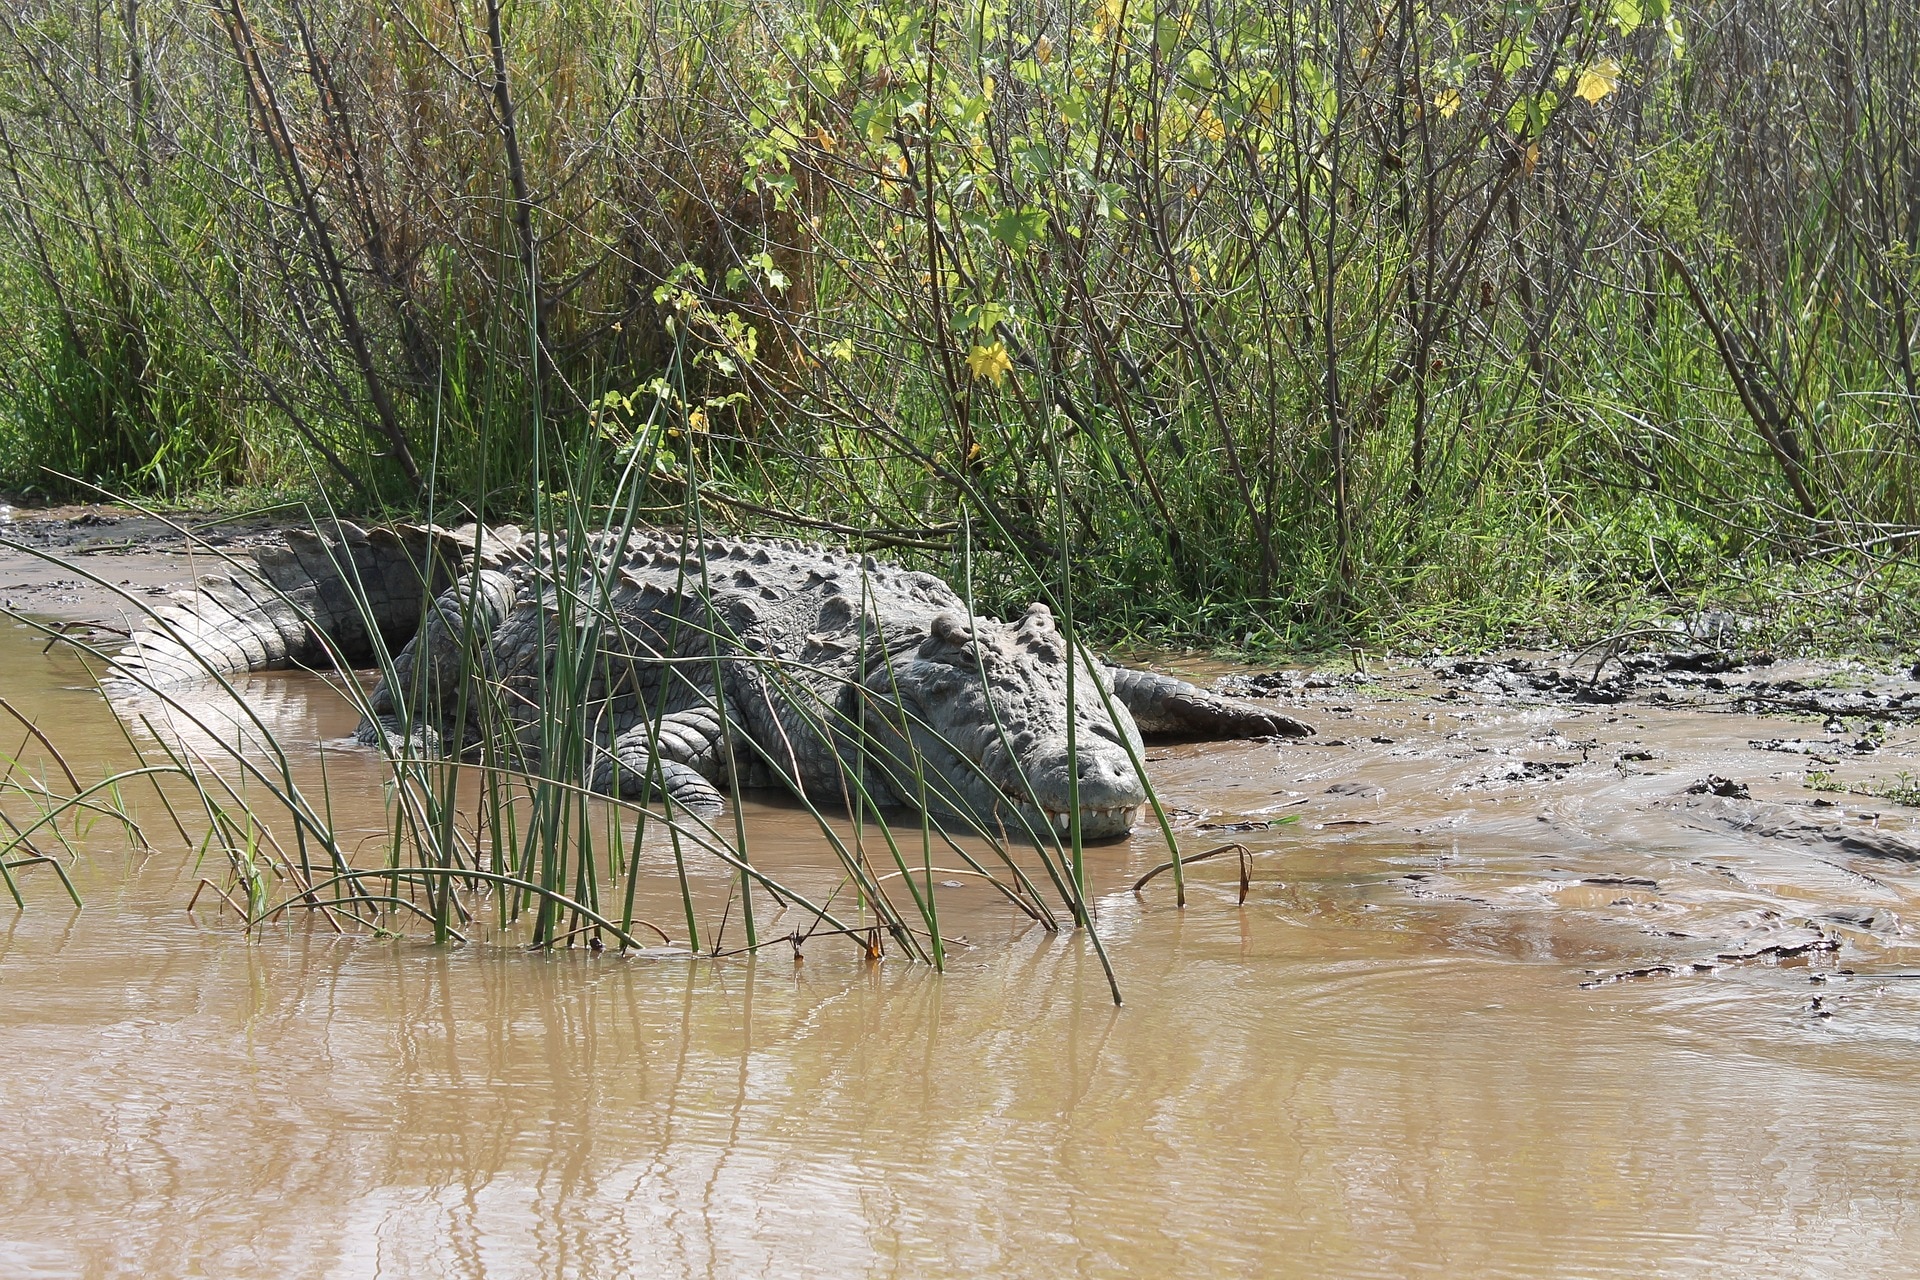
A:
[1383,1064]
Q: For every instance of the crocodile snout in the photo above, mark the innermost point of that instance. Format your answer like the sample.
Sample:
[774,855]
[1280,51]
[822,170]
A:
[1109,790]
[1107,778]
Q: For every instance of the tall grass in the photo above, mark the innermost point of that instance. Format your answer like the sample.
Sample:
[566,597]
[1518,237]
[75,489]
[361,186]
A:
[497,816]
[1305,321]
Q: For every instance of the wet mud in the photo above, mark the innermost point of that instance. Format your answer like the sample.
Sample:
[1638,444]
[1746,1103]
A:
[1507,971]
[1750,809]
[109,549]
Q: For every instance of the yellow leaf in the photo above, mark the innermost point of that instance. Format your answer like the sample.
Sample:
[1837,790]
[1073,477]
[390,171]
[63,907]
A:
[989,364]
[1598,80]
[1043,51]
[697,420]
[1448,100]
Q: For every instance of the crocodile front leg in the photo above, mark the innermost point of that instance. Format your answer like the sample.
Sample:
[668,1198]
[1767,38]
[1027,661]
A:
[686,747]
[1165,707]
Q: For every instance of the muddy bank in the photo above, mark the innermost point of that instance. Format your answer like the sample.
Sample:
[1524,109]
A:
[108,550]
[1710,806]
[1531,973]
[1728,808]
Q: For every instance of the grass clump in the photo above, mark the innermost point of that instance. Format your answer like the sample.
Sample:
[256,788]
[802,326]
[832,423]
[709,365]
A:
[502,821]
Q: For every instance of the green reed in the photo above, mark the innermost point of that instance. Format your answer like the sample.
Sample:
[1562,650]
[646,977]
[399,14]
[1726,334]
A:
[516,819]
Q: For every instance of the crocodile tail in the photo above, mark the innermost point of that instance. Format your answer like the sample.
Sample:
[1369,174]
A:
[321,596]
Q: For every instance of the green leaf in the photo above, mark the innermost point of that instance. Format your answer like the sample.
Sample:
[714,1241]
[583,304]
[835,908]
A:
[1511,56]
[1041,160]
[982,317]
[1200,68]
[783,185]
[1528,116]
[1018,228]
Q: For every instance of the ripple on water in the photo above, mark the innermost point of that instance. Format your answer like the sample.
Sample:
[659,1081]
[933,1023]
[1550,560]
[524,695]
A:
[1357,1074]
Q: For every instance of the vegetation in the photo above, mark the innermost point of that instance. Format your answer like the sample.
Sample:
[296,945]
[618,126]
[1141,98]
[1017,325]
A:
[1295,322]
[509,838]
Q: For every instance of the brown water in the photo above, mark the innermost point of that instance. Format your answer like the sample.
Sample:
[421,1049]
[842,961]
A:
[1383,1064]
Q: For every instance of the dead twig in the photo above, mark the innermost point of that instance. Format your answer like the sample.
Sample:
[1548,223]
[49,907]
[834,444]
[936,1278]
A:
[1246,866]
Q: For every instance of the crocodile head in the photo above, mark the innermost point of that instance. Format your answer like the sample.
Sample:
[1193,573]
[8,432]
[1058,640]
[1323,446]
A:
[985,709]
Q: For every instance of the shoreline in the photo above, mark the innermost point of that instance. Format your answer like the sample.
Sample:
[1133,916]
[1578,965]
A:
[1808,763]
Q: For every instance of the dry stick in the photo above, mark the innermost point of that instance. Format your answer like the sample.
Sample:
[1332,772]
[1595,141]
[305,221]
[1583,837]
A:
[320,230]
[959,402]
[1741,369]
[1612,644]
[206,884]
[1337,439]
[1246,873]
[915,539]
[1201,348]
[567,937]
[945,871]
[375,237]
[60,629]
[504,118]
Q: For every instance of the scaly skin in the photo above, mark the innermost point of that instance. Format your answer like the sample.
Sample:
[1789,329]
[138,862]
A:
[773,662]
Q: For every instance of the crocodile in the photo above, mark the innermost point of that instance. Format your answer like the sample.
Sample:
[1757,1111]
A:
[708,662]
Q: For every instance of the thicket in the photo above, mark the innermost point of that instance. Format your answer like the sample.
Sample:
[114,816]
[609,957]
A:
[1293,320]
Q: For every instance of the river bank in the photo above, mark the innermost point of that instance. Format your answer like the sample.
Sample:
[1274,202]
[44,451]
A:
[1542,964]
[1816,762]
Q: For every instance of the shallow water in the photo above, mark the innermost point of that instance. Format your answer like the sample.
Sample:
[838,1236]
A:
[1383,1064]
